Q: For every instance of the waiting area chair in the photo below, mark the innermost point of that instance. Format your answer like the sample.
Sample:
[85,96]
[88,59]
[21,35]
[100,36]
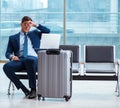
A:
[76,57]
[100,60]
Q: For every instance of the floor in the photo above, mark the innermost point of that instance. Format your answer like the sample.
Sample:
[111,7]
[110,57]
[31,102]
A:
[86,94]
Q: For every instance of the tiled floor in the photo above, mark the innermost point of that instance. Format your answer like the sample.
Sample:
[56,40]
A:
[86,94]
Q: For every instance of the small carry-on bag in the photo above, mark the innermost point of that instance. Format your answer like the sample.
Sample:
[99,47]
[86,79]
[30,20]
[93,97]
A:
[55,74]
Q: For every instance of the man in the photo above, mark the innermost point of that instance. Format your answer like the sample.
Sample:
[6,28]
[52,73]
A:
[19,60]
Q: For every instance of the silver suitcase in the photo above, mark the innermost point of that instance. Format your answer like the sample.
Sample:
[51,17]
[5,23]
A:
[55,74]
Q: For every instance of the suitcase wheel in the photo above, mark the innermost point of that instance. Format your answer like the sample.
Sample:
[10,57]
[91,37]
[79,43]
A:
[43,98]
[39,97]
[67,98]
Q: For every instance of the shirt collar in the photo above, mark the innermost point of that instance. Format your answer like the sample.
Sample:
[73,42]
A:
[22,33]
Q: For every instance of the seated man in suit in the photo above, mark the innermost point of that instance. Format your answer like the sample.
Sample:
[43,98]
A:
[23,54]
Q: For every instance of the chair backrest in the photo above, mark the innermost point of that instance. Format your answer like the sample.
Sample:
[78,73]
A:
[75,49]
[100,54]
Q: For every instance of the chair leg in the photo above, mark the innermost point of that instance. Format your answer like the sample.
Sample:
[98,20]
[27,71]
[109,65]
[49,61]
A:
[118,81]
[118,86]
[9,87]
[13,88]
[117,89]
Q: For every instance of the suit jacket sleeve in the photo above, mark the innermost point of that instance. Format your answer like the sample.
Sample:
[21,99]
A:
[43,29]
[12,47]
[9,51]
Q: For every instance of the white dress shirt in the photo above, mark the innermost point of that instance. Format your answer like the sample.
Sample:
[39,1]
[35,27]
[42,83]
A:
[31,51]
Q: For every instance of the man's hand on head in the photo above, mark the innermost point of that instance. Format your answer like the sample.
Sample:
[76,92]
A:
[33,24]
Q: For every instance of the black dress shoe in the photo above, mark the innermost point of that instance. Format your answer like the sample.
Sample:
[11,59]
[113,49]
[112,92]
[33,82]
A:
[32,94]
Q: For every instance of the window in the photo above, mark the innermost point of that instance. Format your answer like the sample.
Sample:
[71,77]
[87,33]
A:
[92,16]
[80,22]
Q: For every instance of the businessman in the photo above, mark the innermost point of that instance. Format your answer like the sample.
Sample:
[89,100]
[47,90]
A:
[22,51]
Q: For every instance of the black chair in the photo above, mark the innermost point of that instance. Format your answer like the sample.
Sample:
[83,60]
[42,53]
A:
[100,60]
[76,56]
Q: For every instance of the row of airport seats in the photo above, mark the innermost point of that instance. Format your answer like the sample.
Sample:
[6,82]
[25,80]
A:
[98,60]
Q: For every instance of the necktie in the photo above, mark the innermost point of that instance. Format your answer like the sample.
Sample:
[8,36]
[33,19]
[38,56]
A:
[25,46]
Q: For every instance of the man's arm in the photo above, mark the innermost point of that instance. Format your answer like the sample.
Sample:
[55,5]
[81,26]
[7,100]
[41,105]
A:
[42,28]
[9,51]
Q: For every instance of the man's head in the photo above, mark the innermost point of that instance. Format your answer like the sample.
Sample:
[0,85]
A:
[26,24]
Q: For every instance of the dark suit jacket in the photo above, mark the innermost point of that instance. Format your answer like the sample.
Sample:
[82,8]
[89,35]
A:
[14,41]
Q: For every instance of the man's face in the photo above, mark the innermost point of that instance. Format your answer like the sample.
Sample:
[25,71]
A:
[25,26]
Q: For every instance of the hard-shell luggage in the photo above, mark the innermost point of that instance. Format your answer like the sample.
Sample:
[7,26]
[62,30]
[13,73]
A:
[55,74]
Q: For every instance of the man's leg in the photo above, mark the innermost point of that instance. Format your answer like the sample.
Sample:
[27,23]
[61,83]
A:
[10,68]
[31,67]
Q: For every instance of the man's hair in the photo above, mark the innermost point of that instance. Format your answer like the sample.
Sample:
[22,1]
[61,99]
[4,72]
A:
[26,18]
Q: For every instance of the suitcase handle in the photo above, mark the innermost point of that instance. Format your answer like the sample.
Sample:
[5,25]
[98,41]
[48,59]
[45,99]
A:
[53,51]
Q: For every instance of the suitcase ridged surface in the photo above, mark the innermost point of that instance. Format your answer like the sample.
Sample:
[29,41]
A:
[54,74]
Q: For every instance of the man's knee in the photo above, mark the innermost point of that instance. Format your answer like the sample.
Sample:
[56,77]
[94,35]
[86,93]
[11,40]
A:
[5,67]
[31,60]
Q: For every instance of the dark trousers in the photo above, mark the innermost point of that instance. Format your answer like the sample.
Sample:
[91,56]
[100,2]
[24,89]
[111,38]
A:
[29,64]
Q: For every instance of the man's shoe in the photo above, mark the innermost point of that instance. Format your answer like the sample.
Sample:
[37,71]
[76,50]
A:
[32,94]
